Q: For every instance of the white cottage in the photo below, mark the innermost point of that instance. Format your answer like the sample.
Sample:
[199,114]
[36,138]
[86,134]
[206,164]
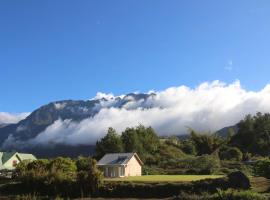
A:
[120,165]
[9,160]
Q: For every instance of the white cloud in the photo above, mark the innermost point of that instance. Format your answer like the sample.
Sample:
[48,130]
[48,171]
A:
[208,107]
[8,118]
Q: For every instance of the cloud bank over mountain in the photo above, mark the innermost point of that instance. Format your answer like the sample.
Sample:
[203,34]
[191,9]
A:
[8,118]
[208,107]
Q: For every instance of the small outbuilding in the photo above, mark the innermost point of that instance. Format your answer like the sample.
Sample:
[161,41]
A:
[120,165]
[9,160]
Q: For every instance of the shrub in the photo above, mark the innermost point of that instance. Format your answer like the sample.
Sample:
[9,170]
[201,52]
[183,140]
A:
[60,176]
[262,168]
[188,147]
[239,195]
[205,164]
[89,178]
[230,153]
[239,180]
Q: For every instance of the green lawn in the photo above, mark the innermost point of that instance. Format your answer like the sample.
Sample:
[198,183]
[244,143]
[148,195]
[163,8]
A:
[164,178]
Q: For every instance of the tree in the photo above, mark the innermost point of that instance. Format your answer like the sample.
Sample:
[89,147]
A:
[141,140]
[253,134]
[111,143]
[148,138]
[89,177]
[205,143]
[131,141]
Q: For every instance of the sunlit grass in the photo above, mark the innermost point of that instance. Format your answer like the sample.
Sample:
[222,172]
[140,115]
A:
[164,178]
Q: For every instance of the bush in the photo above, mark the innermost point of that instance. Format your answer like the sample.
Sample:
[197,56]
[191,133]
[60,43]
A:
[89,178]
[239,180]
[60,176]
[230,153]
[239,195]
[188,147]
[205,164]
[222,195]
[262,168]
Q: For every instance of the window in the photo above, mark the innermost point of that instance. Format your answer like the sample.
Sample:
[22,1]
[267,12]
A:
[14,163]
[122,171]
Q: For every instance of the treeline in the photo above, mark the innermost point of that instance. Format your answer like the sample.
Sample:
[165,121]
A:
[201,153]
[253,135]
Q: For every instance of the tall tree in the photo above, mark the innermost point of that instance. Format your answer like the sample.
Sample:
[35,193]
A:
[141,140]
[111,143]
[253,134]
[205,143]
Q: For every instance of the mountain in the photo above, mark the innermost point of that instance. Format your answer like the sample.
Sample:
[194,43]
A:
[71,127]
[224,131]
[76,111]
[3,125]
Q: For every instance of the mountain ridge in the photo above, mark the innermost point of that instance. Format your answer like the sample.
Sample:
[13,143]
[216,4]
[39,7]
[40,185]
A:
[17,136]
[46,115]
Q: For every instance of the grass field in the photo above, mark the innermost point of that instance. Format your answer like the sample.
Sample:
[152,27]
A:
[165,178]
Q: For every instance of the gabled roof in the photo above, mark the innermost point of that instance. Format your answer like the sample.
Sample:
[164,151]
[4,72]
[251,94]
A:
[6,156]
[118,159]
[26,156]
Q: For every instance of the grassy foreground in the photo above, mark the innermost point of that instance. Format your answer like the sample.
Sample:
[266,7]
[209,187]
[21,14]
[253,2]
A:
[165,178]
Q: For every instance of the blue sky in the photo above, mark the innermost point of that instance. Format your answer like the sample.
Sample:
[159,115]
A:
[66,49]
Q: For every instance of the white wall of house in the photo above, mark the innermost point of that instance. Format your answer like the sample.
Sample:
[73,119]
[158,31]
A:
[133,167]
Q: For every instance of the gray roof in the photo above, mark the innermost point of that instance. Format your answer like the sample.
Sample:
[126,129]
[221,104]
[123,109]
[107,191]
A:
[117,159]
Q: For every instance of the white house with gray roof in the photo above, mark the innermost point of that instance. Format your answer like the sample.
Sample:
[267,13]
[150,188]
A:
[9,160]
[120,165]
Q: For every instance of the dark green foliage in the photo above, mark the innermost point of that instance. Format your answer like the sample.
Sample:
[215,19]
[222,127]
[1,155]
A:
[254,134]
[229,166]
[239,180]
[61,170]
[132,141]
[262,168]
[161,190]
[205,143]
[111,143]
[168,155]
[60,176]
[33,173]
[205,164]
[238,195]
[56,174]
[140,140]
[230,153]
[188,147]
[229,194]
[144,141]
[89,177]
